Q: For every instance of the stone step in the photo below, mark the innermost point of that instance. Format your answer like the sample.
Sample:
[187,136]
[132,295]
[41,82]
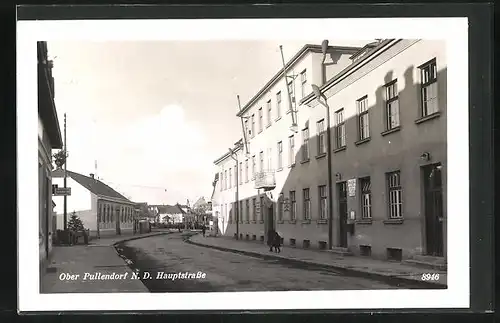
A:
[340,251]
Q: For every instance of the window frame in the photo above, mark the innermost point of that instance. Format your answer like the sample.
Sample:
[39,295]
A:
[323,202]
[241,173]
[363,114]
[305,144]
[278,105]
[365,203]
[246,170]
[432,81]
[291,86]
[340,141]
[280,154]
[293,205]
[269,112]
[261,161]
[261,119]
[321,146]
[291,150]
[306,204]
[254,166]
[388,105]
[398,204]
[252,125]
[303,82]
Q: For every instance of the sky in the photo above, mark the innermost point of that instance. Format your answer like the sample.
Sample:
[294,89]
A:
[153,116]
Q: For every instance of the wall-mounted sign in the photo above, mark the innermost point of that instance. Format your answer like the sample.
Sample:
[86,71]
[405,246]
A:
[351,187]
[286,204]
[352,216]
[61,191]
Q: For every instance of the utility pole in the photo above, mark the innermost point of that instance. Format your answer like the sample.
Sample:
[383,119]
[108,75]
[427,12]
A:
[237,209]
[65,176]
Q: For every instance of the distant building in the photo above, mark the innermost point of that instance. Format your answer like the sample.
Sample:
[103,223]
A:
[103,211]
[49,137]
[388,153]
[168,214]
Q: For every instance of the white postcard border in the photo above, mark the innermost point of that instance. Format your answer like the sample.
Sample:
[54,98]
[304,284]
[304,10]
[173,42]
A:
[453,30]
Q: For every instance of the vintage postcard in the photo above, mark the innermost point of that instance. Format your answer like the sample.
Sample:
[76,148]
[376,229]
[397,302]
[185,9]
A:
[243,164]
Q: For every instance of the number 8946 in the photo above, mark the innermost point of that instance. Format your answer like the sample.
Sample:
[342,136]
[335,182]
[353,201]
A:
[428,276]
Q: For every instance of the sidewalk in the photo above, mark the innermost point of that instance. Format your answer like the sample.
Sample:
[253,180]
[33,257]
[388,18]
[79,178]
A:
[99,256]
[394,272]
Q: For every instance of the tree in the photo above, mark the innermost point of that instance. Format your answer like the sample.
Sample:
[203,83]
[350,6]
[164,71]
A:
[74,223]
[60,158]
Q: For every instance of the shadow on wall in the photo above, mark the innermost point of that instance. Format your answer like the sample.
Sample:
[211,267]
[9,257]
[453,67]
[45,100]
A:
[383,150]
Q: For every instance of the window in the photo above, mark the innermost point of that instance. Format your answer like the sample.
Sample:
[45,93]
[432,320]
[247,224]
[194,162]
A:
[395,195]
[221,181]
[254,209]
[303,82]
[261,162]
[280,207]
[225,179]
[363,118]
[322,202]
[391,106]
[261,208]
[292,94]
[305,145]
[339,129]
[247,130]
[270,159]
[253,167]
[247,209]
[320,126]
[230,177]
[246,170]
[307,204]
[261,120]
[280,155]
[269,114]
[293,206]
[252,130]
[366,198]
[428,79]
[241,173]
[240,212]
[291,150]
[278,105]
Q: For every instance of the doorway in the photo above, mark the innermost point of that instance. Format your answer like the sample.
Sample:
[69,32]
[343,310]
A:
[117,219]
[433,208]
[342,202]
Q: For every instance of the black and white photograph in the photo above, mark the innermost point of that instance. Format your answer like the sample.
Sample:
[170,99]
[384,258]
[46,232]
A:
[301,164]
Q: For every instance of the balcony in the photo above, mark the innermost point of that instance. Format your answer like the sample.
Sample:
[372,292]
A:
[265,180]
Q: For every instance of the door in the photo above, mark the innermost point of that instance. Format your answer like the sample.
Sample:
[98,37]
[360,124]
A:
[433,208]
[342,202]
[117,219]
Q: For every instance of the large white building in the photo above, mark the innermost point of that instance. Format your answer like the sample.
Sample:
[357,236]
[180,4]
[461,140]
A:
[387,105]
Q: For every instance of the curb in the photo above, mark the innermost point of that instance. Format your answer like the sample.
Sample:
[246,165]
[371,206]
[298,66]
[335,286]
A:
[392,280]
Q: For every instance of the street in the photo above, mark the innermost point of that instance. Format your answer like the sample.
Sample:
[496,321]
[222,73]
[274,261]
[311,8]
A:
[226,271]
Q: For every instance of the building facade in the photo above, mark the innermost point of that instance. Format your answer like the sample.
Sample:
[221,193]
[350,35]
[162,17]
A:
[103,211]
[388,158]
[49,137]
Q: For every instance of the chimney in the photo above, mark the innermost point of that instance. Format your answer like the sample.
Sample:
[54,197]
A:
[92,175]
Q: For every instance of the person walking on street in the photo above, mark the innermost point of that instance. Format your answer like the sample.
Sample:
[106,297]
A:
[277,242]
[203,229]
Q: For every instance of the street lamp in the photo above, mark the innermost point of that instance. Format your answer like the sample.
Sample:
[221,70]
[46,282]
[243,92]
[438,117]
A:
[233,154]
[319,96]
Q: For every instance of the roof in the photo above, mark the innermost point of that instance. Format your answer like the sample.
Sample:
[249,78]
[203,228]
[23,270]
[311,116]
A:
[304,50]
[238,147]
[342,74]
[93,185]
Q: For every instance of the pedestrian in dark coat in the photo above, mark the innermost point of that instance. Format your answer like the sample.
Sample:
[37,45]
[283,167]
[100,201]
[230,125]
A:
[270,239]
[203,229]
[277,242]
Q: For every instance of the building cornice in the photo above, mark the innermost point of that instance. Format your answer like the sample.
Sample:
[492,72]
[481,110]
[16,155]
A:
[228,154]
[383,46]
[113,199]
[296,58]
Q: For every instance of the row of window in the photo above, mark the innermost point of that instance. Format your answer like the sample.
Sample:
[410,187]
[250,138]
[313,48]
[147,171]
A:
[109,214]
[250,122]
[429,106]
[394,202]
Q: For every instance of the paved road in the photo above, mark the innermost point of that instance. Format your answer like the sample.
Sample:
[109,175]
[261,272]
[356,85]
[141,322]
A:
[226,271]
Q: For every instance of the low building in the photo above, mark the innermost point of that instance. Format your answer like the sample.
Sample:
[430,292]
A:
[388,156]
[103,211]
[49,138]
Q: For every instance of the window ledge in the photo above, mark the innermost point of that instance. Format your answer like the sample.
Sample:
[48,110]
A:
[261,221]
[428,117]
[364,221]
[394,221]
[320,155]
[306,221]
[281,221]
[247,222]
[260,131]
[253,221]
[278,118]
[291,166]
[279,169]
[288,111]
[340,149]
[268,125]
[292,221]
[396,129]
[305,161]
[322,221]
[362,141]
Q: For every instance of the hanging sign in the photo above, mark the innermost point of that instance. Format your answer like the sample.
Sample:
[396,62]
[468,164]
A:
[351,187]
